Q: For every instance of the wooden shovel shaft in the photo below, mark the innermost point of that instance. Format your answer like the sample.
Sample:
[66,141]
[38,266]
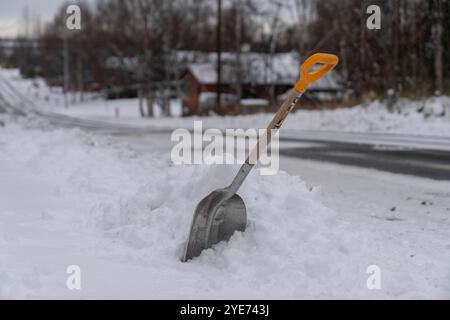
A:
[276,123]
[263,142]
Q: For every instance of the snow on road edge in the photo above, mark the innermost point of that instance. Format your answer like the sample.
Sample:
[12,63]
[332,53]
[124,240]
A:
[411,117]
[99,200]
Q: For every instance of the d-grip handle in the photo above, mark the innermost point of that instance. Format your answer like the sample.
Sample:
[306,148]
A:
[307,77]
[328,61]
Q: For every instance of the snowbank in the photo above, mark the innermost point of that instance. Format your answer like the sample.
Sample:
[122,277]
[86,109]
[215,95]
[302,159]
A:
[73,198]
[70,197]
[373,118]
[422,117]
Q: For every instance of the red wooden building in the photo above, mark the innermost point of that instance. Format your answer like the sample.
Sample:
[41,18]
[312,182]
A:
[261,76]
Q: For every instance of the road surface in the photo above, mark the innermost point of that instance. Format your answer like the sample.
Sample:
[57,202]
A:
[387,156]
[420,156]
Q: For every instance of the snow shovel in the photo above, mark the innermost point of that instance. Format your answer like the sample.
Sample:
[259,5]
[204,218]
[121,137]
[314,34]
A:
[223,211]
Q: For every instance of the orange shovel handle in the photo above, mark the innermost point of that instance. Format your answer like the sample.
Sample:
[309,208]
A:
[307,77]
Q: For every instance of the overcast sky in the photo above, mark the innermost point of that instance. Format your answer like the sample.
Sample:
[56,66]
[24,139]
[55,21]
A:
[11,13]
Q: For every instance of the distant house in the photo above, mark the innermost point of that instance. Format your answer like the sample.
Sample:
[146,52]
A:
[193,77]
[261,77]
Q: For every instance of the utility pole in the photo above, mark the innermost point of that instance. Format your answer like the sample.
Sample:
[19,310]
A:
[238,51]
[66,69]
[219,52]
[26,18]
[437,31]
[272,46]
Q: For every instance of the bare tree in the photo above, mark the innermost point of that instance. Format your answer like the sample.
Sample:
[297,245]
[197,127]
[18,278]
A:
[437,32]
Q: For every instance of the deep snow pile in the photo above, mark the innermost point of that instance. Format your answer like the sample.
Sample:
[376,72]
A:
[374,117]
[70,193]
[412,117]
[69,197]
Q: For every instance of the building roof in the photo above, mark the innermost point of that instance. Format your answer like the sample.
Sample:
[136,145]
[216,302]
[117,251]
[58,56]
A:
[257,69]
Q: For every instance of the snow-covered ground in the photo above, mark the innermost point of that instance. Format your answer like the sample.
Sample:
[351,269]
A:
[370,118]
[118,208]
[69,197]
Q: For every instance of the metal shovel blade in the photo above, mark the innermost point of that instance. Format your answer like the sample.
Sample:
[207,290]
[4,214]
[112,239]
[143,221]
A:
[216,218]
[223,212]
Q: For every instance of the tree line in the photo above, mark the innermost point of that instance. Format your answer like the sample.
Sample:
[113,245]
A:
[409,54]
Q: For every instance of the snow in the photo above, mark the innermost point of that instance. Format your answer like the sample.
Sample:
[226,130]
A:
[254,102]
[373,118]
[85,200]
[122,211]
[211,97]
[437,106]
[418,118]
[257,68]
[400,221]
[69,197]
[204,73]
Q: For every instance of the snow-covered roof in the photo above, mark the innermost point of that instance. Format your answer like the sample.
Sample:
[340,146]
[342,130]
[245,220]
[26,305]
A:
[257,69]
[254,102]
[123,63]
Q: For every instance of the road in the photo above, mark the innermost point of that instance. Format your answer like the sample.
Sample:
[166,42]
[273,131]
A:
[401,158]
[434,164]
[420,156]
